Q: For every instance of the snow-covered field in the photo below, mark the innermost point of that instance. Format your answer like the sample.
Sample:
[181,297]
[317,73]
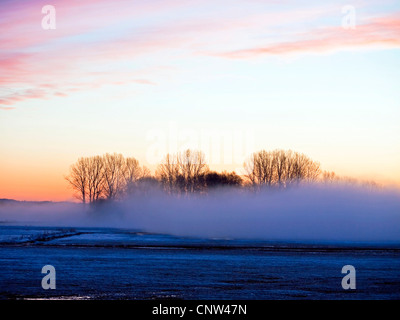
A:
[103,263]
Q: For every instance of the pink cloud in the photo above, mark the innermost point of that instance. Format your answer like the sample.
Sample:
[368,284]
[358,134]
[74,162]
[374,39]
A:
[22,95]
[90,49]
[49,61]
[382,32]
[60,94]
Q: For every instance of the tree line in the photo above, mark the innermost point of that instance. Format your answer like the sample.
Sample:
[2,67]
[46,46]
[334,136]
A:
[112,176]
[281,168]
[104,177]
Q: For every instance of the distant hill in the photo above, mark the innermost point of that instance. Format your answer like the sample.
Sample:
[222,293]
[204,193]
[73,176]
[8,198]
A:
[7,201]
[12,201]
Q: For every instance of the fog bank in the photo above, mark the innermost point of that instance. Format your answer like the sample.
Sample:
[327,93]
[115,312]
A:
[307,213]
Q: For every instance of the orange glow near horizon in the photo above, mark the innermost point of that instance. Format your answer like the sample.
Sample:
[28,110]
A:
[50,185]
[36,186]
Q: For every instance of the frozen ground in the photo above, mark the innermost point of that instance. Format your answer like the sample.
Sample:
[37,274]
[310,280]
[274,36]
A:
[100,263]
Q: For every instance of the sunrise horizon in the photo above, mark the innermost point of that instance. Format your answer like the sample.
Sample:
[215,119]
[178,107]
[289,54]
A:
[60,191]
[145,79]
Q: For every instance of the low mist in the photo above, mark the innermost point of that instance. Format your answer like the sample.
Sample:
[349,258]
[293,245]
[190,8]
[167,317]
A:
[308,213]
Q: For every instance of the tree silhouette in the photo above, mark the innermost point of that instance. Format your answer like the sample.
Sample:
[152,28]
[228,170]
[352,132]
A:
[114,169]
[133,173]
[280,168]
[214,179]
[183,172]
[110,177]
[78,175]
[95,178]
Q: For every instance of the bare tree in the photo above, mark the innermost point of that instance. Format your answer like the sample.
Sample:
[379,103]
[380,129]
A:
[192,168]
[183,172]
[167,172]
[280,168]
[261,168]
[78,178]
[95,178]
[132,173]
[114,168]
[86,178]
[104,177]
[329,177]
[146,173]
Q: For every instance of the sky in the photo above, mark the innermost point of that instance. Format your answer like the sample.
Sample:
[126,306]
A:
[144,78]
